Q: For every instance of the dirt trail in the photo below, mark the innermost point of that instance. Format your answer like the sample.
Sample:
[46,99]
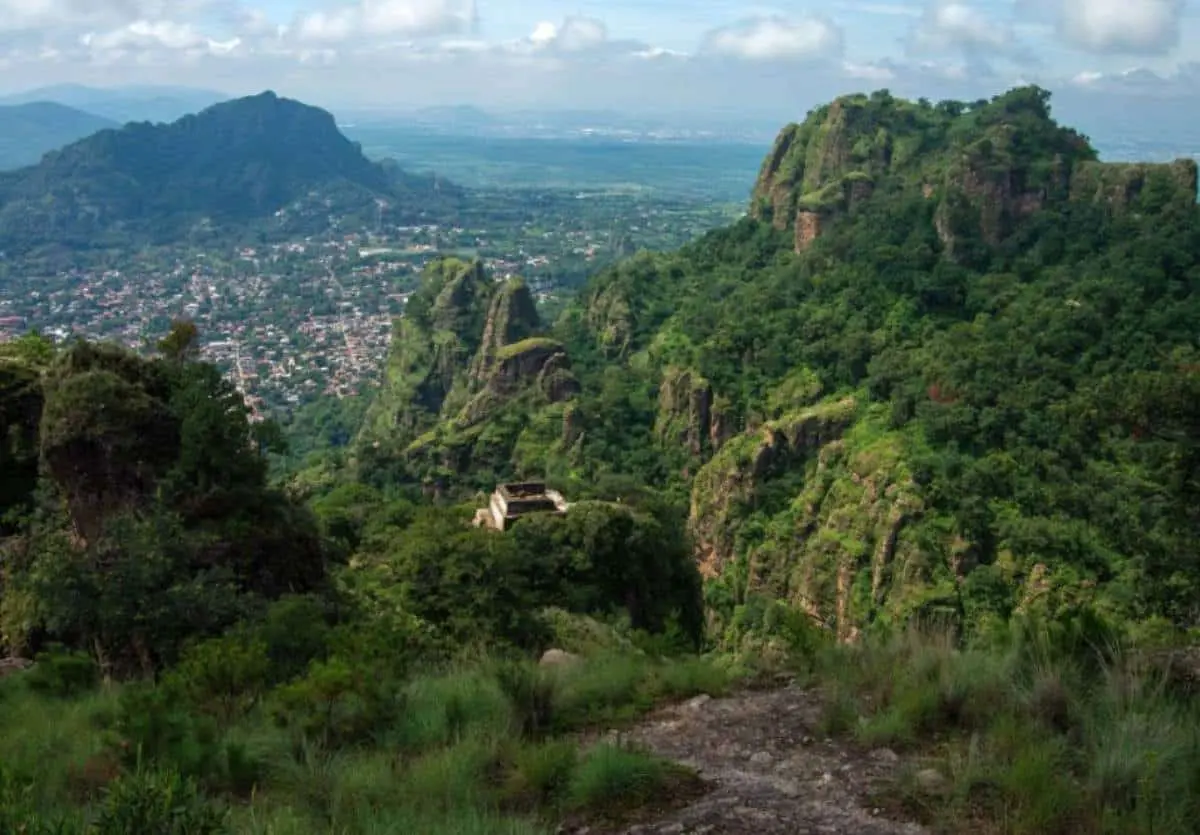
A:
[770,771]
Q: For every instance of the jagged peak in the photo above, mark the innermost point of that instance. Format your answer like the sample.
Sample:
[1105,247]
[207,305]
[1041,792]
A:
[1007,157]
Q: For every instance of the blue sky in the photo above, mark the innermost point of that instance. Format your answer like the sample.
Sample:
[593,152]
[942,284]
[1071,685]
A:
[633,54]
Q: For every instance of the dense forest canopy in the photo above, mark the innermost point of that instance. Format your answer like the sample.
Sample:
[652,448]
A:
[946,365]
[945,372]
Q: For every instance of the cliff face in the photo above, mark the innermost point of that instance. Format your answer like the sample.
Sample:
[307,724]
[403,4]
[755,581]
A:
[432,345]
[465,357]
[1122,185]
[819,509]
[512,317]
[689,414]
[985,167]
[728,486]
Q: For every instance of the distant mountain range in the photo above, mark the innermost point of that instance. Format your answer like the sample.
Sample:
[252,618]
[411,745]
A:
[261,163]
[27,131]
[123,104]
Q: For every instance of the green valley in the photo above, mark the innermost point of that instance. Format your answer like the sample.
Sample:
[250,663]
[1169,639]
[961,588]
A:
[879,514]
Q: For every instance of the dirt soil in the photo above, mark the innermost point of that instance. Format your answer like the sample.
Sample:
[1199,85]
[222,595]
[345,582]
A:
[768,769]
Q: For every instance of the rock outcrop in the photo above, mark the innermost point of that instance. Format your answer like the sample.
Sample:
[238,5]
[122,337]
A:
[689,414]
[727,487]
[1120,185]
[432,347]
[467,351]
[817,509]
[768,768]
[512,317]
[985,167]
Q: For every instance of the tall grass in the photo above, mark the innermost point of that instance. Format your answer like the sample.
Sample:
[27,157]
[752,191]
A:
[1033,734]
[483,746]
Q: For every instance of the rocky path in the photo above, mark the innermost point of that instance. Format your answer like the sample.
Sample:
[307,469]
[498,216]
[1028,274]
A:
[769,770]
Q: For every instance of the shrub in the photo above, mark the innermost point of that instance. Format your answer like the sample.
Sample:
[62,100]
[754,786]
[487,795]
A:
[603,690]
[337,703]
[159,802]
[541,774]
[612,776]
[530,691]
[224,676]
[294,632]
[452,778]
[154,726]
[62,673]
[446,709]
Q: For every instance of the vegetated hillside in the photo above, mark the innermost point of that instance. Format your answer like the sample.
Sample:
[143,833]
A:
[259,160]
[948,367]
[27,131]
[926,411]
[135,511]
[470,365]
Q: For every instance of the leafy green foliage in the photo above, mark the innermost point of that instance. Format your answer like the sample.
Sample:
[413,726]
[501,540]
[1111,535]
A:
[154,522]
[61,672]
[337,703]
[157,801]
[612,776]
[1029,359]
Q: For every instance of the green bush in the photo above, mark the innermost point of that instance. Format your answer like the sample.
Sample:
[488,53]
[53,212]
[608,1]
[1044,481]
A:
[541,774]
[224,677]
[463,704]
[62,673]
[338,703]
[611,776]
[154,726]
[159,802]
[530,690]
[452,778]
[294,631]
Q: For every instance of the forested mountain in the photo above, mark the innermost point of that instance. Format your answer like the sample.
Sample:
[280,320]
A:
[948,366]
[259,160]
[27,131]
[912,448]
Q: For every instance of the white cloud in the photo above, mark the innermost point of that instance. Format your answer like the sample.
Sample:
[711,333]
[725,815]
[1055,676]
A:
[776,39]
[544,33]
[143,34]
[960,24]
[333,51]
[374,19]
[576,34]
[869,72]
[153,42]
[1121,26]
[45,14]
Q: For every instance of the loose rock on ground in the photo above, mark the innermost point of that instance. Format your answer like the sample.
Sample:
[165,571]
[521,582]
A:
[768,768]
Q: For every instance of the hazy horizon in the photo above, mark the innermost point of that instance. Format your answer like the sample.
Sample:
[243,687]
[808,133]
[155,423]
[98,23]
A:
[638,57]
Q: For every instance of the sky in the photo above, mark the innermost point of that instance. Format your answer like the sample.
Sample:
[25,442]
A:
[638,56]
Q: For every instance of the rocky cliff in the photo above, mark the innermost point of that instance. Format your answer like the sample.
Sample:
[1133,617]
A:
[469,374]
[985,166]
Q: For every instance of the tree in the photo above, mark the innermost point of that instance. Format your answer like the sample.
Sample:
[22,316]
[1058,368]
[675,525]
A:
[182,343]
